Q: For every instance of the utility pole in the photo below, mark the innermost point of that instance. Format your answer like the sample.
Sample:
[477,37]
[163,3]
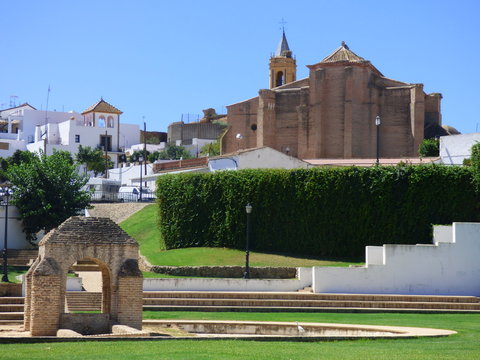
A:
[106,154]
[145,146]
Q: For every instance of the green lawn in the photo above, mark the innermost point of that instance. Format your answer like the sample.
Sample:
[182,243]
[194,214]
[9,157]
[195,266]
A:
[465,345]
[142,226]
[14,271]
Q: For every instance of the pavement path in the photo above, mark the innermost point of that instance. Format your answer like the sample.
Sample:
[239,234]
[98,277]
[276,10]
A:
[118,211]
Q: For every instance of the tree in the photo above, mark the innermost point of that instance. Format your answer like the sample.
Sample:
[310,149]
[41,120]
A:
[212,149]
[475,164]
[93,159]
[47,190]
[429,147]
[17,157]
[174,152]
[136,155]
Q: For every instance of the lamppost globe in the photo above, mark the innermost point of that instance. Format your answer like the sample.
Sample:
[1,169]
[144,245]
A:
[248,208]
[377,121]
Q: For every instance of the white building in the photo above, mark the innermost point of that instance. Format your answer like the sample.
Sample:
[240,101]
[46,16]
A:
[456,148]
[26,128]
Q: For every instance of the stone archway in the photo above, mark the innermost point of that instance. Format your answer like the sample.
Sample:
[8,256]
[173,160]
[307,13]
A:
[102,241]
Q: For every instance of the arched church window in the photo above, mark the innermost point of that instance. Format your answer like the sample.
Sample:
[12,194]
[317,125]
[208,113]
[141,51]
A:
[110,121]
[279,80]
[101,121]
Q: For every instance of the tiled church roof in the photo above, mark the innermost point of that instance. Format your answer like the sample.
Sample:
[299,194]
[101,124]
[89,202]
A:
[282,46]
[343,53]
[102,106]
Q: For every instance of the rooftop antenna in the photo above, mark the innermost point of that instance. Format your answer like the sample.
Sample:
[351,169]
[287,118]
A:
[13,101]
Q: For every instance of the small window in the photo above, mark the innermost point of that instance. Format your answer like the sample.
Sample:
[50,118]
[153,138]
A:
[77,138]
[110,122]
[101,121]
[253,127]
[279,80]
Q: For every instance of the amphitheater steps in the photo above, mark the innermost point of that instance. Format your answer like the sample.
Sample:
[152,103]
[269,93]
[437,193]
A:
[229,301]
[84,301]
[11,310]
[20,257]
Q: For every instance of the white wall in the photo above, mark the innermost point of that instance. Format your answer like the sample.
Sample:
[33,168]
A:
[13,145]
[455,148]
[450,266]
[15,236]
[210,284]
[130,174]
[129,135]
[268,158]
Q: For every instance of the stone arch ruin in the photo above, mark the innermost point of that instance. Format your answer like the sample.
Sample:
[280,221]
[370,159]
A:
[96,239]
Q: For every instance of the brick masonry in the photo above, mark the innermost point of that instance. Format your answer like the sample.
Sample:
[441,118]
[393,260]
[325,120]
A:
[79,238]
[331,114]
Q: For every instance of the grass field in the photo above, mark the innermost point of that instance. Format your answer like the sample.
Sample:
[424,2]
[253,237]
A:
[14,271]
[142,226]
[465,345]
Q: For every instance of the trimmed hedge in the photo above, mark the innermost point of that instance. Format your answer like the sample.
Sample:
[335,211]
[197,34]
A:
[321,211]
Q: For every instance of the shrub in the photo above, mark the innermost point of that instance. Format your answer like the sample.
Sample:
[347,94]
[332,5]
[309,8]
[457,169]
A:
[322,212]
[429,147]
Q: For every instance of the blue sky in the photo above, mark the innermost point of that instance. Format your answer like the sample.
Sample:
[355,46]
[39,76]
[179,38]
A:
[160,59]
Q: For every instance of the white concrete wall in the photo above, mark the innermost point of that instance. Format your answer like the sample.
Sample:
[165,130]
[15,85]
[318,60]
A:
[268,158]
[13,145]
[209,284]
[450,266]
[129,135]
[15,236]
[130,175]
[455,148]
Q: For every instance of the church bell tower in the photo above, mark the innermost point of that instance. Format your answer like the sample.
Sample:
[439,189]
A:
[283,67]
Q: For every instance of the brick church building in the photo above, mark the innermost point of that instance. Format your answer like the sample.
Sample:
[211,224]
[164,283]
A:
[331,114]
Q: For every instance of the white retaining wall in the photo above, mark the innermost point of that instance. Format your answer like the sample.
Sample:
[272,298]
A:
[304,279]
[450,266]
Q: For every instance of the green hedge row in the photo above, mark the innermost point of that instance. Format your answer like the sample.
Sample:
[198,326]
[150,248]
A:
[321,211]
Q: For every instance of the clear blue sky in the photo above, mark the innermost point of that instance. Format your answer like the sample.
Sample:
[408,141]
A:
[160,59]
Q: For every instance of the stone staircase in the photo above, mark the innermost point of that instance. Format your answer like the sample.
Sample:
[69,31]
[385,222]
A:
[11,310]
[305,302]
[20,257]
[84,301]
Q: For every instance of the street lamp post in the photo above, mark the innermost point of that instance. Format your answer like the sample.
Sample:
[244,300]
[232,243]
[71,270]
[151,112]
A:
[377,123]
[246,275]
[6,194]
[140,158]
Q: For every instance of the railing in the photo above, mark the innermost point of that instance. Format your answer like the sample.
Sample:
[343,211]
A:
[102,196]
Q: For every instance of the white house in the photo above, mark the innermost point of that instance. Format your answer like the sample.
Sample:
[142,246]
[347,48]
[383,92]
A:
[455,148]
[26,128]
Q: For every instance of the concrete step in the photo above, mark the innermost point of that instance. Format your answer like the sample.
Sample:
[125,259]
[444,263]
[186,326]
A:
[310,303]
[20,257]
[304,309]
[11,322]
[84,301]
[11,300]
[308,296]
[11,315]
[11,308]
